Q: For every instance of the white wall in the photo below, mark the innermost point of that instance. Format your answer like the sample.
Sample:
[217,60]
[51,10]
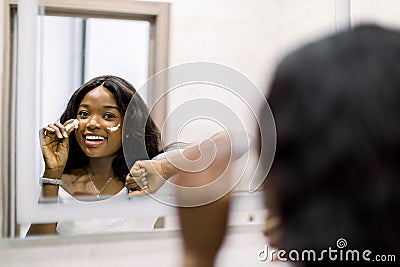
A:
[252,35]
[384,12]
[249,36]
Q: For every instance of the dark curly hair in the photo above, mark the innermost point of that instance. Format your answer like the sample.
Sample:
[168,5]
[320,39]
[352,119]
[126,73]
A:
[124,93]
[336,174]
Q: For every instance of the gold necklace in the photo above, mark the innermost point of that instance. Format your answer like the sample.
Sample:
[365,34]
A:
[95,187]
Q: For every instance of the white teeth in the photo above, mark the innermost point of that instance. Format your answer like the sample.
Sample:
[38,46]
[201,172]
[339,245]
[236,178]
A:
[94,137]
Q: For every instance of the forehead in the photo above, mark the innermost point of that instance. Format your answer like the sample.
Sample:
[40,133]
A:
[99,95]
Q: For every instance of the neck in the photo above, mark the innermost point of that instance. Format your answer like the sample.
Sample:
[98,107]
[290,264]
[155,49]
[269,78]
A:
[101,168]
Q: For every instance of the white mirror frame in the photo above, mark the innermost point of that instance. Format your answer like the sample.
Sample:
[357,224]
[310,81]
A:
[20,143]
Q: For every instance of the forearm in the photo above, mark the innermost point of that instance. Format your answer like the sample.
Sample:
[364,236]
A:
[50,191]
[49,194]
[224,147]
[232,144]
[204,226]
[203,230]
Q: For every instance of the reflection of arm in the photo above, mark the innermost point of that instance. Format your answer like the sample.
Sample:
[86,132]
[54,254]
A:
[48,191]
[55,148]
[228,146]
[219,150]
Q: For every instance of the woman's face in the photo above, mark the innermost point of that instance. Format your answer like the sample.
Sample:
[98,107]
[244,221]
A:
[100,124]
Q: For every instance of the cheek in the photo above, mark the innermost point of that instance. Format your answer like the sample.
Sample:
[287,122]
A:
[116,138]
[78,131]
[81,127]
[114,130]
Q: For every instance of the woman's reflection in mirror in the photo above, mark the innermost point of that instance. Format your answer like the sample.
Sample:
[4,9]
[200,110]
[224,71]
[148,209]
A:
[85,162]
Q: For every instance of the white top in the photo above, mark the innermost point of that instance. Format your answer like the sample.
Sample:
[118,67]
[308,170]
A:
[96,226]
[107,225]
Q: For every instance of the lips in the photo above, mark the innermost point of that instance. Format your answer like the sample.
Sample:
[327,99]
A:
[93,140]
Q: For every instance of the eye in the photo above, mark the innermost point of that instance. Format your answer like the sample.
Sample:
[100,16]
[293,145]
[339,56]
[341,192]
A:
[109,115]
[83,114]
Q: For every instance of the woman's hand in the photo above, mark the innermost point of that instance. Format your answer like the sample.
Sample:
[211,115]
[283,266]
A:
[146,176]
[55,147]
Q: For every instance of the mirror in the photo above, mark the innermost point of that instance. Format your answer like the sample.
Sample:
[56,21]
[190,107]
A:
[248,38]
[237,37]
[71,46]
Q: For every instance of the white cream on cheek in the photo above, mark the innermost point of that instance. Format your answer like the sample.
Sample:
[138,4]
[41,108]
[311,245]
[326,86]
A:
[113,129]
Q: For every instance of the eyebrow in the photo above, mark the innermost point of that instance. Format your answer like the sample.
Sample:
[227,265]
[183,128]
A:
[112,107]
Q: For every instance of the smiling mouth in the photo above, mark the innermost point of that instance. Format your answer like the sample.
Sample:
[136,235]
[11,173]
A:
[94,138]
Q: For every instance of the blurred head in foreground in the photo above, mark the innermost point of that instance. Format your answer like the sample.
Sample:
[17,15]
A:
[336,174]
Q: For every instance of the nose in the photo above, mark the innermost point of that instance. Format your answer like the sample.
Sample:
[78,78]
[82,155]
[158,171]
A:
[93,123]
